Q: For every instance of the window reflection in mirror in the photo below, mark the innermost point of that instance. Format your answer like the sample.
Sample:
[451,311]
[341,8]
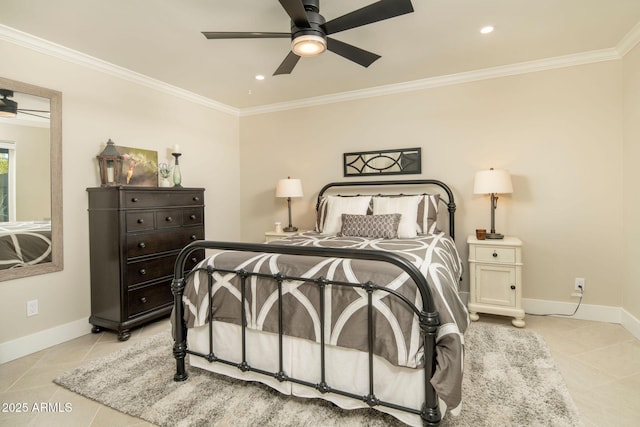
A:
[30,195]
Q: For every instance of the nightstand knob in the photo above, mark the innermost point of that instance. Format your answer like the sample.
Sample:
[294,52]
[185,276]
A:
[495,254]
[192,216]
[196,199]
[143,300]
[194,260]
[140,221]
[194,237]
[142,271]
[135,199]
[513,287]
[142,245]
[168,219]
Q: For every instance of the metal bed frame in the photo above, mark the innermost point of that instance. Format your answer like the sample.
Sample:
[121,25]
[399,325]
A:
[427,316]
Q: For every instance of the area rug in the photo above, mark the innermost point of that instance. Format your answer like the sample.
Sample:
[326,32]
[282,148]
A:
[510,379]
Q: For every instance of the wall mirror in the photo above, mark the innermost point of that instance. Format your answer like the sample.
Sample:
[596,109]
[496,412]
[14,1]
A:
[30,180]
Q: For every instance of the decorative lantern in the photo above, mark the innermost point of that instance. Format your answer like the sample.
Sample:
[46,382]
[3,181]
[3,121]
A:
[110,162]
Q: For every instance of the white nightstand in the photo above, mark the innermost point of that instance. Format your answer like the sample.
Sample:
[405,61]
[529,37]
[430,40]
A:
[495,283]
[275,235]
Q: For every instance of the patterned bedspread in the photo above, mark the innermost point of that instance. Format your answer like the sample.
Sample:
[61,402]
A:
[24,243]
[396,328]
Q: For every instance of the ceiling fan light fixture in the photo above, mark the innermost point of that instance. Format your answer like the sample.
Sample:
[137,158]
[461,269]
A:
[308,45]
[8,108]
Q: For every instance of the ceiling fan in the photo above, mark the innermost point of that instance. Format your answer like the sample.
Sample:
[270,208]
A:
[309,30]
[9,107]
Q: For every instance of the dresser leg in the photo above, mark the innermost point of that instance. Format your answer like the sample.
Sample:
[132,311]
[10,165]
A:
[124,335]
[474,316]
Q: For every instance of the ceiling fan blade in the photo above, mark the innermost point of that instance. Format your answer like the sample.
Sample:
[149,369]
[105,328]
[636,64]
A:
[295,9]
[287,65]
[352,53]
[244,35]
[378,11]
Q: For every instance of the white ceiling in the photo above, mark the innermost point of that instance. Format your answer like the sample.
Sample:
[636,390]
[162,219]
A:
[161,39]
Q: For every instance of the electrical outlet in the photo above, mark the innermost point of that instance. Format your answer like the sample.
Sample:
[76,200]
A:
[579,284]
[32,307]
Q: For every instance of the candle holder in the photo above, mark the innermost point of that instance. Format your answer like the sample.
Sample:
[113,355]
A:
[177,175]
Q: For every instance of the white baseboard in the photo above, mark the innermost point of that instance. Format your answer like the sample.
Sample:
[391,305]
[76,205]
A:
[29,344]
[599,313]
[631,323]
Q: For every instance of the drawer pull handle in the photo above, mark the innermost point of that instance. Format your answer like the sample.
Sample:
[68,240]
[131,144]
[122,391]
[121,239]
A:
[142,245]
[134,200]
[513,287]
[193,237]
[143,300]
[168,219]
[495,254]
[196,199]
[142,271]
[141,221]
[192,216]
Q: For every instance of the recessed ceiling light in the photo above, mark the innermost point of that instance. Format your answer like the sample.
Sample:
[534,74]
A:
[486,30]
[259,77]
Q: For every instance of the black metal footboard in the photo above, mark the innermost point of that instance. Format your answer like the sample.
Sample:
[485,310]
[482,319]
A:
[428,319]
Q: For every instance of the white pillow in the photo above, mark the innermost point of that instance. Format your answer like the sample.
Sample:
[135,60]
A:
[407,206]
[336,206]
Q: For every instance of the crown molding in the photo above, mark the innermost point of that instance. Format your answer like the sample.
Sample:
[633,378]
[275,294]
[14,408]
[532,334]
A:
[52,49]
[447,80]
[631,39]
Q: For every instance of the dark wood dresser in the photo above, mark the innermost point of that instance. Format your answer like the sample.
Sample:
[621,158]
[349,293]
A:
[136,234]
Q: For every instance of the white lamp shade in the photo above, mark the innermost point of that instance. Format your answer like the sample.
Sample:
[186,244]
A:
[289,188]
[496,181]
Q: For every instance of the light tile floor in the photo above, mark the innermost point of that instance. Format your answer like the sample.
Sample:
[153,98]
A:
[600,363]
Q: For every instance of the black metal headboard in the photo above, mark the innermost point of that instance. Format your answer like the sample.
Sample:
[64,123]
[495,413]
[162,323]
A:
[451,205]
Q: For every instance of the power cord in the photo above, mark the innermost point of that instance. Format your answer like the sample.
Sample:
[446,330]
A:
[561,314]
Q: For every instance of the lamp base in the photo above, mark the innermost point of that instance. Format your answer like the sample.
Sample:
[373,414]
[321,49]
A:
[290,229]
[495,236]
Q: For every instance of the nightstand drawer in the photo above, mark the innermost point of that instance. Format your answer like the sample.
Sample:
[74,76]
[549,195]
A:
[495,254]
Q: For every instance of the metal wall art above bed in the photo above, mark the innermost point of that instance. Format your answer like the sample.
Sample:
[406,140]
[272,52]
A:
[400,161]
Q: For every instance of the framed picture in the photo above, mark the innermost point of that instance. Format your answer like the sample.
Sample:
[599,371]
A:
[400,161]
[139,167]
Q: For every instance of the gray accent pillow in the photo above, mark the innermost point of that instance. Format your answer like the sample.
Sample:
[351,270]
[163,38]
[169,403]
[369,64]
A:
[383,226]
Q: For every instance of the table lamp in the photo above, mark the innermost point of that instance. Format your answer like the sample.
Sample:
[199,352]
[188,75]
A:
[493,181]
[289,188]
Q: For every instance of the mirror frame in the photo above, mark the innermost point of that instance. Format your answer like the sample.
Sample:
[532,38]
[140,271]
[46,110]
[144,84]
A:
[55,140]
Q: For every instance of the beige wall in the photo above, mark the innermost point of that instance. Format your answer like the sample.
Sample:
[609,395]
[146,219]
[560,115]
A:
[631,102]
[558,132]
[98,106]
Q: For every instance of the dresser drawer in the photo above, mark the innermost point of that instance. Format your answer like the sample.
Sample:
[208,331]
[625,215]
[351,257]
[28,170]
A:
[148,298]
[156,268]
[495,254]
[162,241]
[160,199]
[148,270]
[140,221]
[193,216]
[168,218]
